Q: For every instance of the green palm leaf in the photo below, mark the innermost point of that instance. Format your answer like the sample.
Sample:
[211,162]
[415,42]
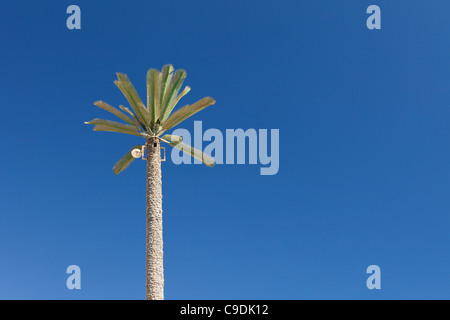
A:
[125,85]
[197,154]
[125,161]
[172,138]
[172,92]
[111,129]
[174,103]
[116,112]
[166,79]
[154,94]
[138,123]
[185,112]
[112,126]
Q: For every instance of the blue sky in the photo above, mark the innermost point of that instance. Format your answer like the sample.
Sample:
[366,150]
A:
[364,150]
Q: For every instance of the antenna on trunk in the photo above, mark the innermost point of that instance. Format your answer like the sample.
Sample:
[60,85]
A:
[139,153]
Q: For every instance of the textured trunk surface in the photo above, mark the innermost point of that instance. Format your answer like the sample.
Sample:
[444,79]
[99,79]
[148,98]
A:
[154,255]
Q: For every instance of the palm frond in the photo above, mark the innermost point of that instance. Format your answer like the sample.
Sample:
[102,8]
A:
[166,80]
[154,94]
[112,126]
[174,103]
[172,138]
[111,129]
[172,92]
[197,154]
[143,126]
[125,161]
[128,90]
[185,112]
[117,113]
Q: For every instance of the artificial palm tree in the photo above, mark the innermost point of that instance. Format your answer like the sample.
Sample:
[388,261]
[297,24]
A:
[151,122]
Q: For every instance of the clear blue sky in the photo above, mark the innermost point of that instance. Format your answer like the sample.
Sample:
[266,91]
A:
[364,173]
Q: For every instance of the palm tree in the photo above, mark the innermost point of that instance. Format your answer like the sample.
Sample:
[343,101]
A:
[151,122]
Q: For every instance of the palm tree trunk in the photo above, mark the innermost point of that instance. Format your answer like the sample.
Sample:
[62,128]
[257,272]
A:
[154,255]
